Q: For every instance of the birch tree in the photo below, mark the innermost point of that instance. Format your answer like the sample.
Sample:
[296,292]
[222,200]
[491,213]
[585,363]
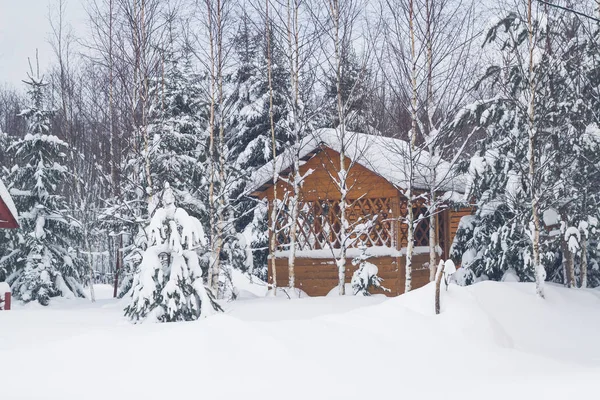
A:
[339,24]
[540,272]
[274,206]
[300,43]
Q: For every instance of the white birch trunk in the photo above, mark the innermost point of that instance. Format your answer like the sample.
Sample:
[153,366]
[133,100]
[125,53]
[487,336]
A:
[222,173]
[213,276]
[433,232]
[413,135]
[293,48]
[273,221]
[343,173]
[540,272]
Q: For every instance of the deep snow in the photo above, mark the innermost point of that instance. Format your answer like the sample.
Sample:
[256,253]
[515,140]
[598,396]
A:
[491,341]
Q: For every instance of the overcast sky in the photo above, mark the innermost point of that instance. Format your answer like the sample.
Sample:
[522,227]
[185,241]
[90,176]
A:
[24,27]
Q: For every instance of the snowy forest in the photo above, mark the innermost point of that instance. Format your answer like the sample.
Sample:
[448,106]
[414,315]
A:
[129,159]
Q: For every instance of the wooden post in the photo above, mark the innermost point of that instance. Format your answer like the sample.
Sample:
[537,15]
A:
[438,283]
[6,301]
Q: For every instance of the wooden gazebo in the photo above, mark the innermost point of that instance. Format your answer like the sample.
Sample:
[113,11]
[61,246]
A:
[8,211]
[377,182]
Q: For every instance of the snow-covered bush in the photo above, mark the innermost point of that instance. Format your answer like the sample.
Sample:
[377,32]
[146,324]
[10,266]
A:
[464,276]
[168,284]
[365,276]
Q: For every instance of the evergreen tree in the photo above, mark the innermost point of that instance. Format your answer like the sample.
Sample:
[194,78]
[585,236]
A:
[176,124]
[355,93]
[497,237]
[168,284]
[250,140]
[365,277]
[249,136]
[43,263]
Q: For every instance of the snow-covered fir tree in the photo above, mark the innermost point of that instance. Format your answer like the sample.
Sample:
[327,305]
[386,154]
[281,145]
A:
[176,126]
[43,262]
[249,138]
[498,237]
[355,93]
[366,276]
[251,144]
[168,284]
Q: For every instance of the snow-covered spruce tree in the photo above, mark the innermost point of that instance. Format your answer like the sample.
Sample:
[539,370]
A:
[43,263]
[575,173]
[499,171]
[5,235]
[176,125]
[354,92]
[250,124]
[498,236]
[168,284]
[365,277]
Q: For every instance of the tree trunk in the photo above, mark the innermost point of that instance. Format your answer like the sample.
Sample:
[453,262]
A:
[213,276]
[438,284]
[433,237]
[540,272]
[342,175]
[433,232]
[294,49]
[584,262]
[222,173]
[114,174]
[274,213]
[413,136]
[567,261]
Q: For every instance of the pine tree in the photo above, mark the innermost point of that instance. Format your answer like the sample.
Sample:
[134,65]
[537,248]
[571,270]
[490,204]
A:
[43,263]
[168,284]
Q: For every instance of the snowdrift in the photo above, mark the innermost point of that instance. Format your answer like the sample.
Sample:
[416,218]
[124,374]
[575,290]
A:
[491,341]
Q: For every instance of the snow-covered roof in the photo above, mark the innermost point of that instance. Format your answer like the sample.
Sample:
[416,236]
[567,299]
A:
[8,211]
[385,156]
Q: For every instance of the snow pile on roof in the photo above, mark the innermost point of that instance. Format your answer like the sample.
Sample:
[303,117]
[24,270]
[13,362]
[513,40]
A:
[385,156]
[492,340]
[5,196]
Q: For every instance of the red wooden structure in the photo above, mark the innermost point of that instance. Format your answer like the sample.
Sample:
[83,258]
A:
[8,220]
[5,301]
[8,211]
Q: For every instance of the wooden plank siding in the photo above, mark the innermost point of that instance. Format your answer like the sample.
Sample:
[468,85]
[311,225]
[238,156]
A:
[318,276]
[319,185]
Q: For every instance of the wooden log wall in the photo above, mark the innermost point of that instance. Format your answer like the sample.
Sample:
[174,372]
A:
[318,276]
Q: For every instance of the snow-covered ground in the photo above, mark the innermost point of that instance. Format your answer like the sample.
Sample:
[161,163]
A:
[492,340]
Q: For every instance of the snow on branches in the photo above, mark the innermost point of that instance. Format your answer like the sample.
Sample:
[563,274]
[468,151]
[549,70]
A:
[168,284]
